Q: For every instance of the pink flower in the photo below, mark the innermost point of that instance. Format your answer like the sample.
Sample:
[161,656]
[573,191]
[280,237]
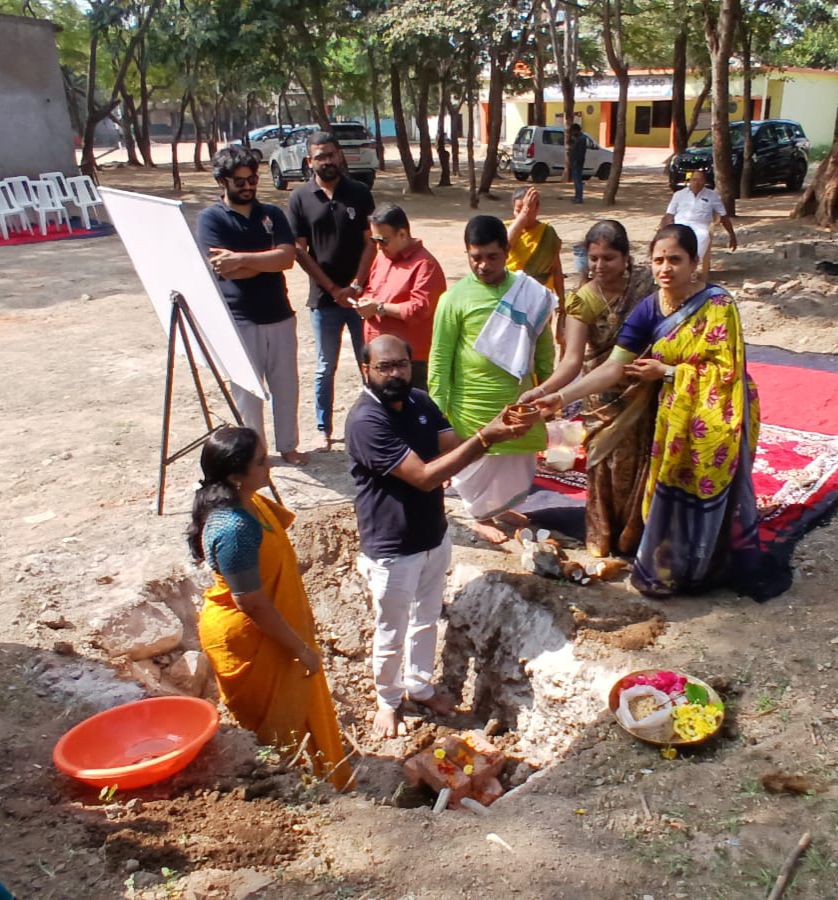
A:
[656,448]
[656,354]
[672,335]
[685,476]
[752,392]
[665,681]
[727,412]
[719,456]
[734,465]
[698,427]
[694,358]
[712,396]
[716,335]
[695,459]
[699,325]
[721,300]
[706,486]
[691,387]
[676,445]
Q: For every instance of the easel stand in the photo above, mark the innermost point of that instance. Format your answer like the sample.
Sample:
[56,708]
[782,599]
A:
[182,323]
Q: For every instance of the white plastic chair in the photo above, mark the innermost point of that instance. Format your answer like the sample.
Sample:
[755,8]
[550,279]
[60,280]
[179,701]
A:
[49,205]
[9,209]
[65,195]
[85,195]
[21,190]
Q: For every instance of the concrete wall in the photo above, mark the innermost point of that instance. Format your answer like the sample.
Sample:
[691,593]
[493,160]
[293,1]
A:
[35,135]
[811,99]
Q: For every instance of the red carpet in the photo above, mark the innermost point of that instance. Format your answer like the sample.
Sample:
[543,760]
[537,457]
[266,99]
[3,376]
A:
[54,233]
[796,466]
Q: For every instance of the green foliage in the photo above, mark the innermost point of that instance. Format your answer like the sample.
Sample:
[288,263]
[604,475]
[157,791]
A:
[696,693]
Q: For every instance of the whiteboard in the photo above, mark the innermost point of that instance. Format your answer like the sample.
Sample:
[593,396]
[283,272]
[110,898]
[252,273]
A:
[167,258]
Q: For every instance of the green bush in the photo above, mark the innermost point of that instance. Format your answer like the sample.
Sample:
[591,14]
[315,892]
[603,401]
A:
[819,152]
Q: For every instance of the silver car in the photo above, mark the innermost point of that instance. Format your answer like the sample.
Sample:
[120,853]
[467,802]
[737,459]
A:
[538,152]
[288,162]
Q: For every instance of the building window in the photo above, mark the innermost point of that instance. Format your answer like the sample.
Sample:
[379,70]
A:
[661,114]
[642,119]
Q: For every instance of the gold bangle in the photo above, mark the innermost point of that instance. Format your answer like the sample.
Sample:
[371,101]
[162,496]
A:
[484,443]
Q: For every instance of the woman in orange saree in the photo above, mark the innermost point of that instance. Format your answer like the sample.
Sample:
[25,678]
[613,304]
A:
[256,625]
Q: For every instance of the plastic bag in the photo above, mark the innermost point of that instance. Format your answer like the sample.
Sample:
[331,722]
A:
[651,725]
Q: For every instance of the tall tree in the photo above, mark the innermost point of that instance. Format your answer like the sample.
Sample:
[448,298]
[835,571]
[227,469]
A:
[720,24]
[612,35]
[820,199]
[566,59]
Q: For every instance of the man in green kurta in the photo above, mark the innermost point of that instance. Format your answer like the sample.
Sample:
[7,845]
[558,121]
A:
[471,388]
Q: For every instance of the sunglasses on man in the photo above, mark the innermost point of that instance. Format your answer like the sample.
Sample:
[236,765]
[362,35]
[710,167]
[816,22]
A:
[252,180]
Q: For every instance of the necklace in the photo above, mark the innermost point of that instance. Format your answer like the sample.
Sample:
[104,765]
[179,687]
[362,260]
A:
[612,318]
[669,306]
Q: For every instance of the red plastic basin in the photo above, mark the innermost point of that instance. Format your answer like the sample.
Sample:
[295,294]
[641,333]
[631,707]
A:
[137,743]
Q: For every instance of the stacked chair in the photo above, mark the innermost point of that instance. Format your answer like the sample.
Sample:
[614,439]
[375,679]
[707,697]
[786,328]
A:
[47,199]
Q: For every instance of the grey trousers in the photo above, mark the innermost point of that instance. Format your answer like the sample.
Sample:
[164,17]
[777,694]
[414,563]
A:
[273,350]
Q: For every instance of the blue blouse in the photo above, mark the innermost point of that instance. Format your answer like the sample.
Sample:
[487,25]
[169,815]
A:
[231,539]
[640,324]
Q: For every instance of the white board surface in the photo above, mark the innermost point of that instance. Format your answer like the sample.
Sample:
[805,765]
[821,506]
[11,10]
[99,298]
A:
[167,258]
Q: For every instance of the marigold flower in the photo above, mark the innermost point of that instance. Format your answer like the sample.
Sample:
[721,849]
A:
[468,769]
[439,753]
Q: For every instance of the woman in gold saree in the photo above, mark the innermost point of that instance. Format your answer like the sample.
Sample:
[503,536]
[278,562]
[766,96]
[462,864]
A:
[256,625]
[619,420]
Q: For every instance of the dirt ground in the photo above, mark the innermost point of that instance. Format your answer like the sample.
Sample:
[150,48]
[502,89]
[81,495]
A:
[83,364]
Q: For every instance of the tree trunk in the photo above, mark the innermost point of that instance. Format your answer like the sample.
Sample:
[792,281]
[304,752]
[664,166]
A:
[720,32]
[317,97]
[177,185]
[700,100]
[538,82]
[402,137]
[197,121]
[746,176]
[490,165]
[441,149]
[422,184]
[820,199]
[130,146]
[679,80]
[613,40]
[566,59]
[454,118]
[473,196]
[376,113]
[144,117]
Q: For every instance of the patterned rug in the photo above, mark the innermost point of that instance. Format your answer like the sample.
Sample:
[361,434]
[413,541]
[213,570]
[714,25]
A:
[796,465]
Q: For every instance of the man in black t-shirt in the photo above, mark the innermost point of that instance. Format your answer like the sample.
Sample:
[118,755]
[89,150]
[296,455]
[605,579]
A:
[402,451]
[329,216]
[249,244]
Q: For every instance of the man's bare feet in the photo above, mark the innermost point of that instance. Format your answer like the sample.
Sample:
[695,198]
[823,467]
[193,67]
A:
[385,723]
[516,519]
[438,703]
[325,444]
[295,458]
[486,530]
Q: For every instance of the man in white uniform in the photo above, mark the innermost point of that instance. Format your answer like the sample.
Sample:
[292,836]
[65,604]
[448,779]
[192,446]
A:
[695,205]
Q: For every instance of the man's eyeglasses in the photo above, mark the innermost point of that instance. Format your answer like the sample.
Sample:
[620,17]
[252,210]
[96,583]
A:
[378,239]
[252,180]
[392,365]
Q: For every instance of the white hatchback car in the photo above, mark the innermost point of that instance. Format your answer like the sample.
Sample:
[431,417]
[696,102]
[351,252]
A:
[538,153]
[288,161]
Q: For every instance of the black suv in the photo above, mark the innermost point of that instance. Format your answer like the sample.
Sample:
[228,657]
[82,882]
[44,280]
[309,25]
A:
[781,154]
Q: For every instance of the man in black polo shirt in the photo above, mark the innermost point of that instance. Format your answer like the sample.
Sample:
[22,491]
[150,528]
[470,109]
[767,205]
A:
[249,244]
[329,217]
[403,450]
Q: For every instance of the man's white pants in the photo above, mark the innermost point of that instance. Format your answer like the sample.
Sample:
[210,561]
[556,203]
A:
[273,350]
[407,600]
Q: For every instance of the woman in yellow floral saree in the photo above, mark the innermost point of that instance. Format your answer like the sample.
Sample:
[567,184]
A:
[699,507]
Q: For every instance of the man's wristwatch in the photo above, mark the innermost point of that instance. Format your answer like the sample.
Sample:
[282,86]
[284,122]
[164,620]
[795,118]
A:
[669,375]
[379,310]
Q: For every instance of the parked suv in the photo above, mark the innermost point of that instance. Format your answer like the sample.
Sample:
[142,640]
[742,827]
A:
[288,161]
[538,152]
[781,155]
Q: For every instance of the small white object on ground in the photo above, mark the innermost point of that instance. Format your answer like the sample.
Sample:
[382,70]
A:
[442,800]
[39,517]
[474,807]
[493,838]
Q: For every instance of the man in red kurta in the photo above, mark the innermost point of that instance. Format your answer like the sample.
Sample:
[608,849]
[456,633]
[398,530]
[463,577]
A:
[403,288]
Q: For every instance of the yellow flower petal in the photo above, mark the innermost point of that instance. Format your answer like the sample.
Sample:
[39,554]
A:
[468,769]
[669,752]
[439,753]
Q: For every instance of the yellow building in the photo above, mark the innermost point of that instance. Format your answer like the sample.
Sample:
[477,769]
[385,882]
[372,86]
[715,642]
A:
[807,96]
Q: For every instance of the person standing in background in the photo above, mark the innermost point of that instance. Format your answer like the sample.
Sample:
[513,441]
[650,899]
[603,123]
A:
[578,146]
[329,216]
[404,287]
[249,244]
